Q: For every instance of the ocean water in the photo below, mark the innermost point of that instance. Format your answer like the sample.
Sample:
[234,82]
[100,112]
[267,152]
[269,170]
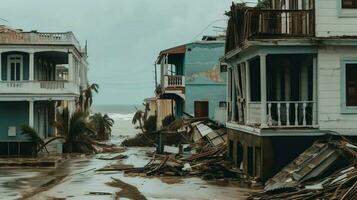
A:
[122,116]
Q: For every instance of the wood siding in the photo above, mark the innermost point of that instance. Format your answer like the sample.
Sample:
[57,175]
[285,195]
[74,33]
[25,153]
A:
[331,20]
[329,83]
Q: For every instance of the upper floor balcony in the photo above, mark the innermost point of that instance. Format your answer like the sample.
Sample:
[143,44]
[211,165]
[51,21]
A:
[252,23]
[38,38]
[27,87]
[174,82]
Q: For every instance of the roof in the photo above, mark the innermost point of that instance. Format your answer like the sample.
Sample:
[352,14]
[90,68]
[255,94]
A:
[181,49]
[313,162]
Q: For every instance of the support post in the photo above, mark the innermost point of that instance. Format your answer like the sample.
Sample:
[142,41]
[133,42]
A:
[263,91]
[247,84]
[70,67]
[32,67]
[314,93]
[31,114]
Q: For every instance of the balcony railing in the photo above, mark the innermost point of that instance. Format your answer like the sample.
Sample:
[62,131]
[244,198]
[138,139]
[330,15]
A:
[246,24]
[174,81]
[284,114]
[280,23]
[36,38]
[38,87]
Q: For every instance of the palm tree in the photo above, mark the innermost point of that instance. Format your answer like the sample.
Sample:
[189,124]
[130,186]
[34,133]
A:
[102,124]
[139,118]
[74,129]
[88,95]
[34,137]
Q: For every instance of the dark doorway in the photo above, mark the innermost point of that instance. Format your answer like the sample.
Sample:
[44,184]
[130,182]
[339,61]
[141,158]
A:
[239,154]
[201,108]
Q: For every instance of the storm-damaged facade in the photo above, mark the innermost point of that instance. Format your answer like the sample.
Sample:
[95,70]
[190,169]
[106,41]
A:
[193,79]
[292,76]
[40,74]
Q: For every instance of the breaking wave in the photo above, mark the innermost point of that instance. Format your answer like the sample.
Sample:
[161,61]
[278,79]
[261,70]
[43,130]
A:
[119,116]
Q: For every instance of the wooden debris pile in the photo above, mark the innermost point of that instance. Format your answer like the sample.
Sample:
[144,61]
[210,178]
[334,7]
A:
[326,170]
[209,165]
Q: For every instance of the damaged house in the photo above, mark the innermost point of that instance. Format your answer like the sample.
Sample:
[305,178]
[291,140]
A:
[192,81]
[40,73]
[292,77]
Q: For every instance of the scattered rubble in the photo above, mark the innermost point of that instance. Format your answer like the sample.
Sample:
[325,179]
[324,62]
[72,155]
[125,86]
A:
[326,170]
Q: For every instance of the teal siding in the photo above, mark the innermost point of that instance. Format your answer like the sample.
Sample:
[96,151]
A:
[204,81]
[13,114]
[26,60]
[211,93]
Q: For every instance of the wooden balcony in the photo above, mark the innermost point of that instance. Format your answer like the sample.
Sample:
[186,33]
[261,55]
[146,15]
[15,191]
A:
[248,24]
[280,23]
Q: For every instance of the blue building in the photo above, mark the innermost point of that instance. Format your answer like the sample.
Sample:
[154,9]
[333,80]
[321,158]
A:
[194,79]
[40,73]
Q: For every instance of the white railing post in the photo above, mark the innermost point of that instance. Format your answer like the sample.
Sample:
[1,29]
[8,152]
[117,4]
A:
[270,119]
[296,114]
[278,111]
[288,114]
[304,114]
[263,88]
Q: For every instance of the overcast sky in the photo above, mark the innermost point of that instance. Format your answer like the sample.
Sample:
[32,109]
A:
[124,36]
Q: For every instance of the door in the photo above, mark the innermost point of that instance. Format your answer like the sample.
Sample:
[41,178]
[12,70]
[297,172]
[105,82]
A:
[15,68]
[201,108]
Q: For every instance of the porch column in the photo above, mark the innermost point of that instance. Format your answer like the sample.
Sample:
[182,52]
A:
[263,91]
[314,91]
[234,97]
[31,114]
[70,67]
[228,96]
[32,67]
[247,87]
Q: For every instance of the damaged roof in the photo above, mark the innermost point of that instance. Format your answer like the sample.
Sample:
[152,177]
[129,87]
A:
[313,162]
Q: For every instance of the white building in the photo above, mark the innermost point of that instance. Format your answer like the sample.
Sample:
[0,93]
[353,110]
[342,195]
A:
[39,72]
[292,77]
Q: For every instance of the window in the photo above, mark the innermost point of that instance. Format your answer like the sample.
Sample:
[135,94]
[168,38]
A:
[349,3]
[351,85]
[223,104]
[14,68]
[223,67]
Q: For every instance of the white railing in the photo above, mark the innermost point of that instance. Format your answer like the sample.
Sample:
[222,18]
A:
[66,38]
[38,87]
[174,81]
[291,114]
[253,116]
[283,114]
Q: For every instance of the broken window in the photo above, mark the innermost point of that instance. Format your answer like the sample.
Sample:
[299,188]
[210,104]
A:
[349,3]
[223,67]
[351,84]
